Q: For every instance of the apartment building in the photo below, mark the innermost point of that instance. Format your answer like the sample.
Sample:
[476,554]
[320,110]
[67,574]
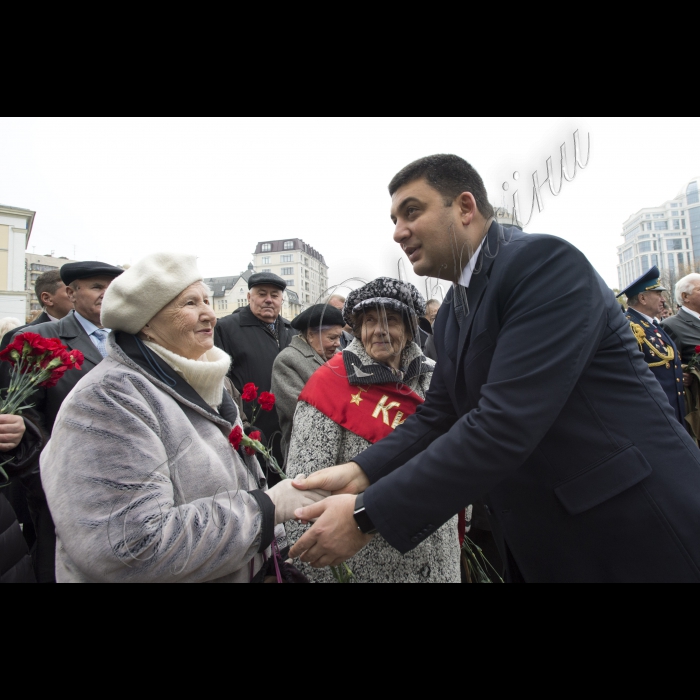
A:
[15,231]
[667,236]
[303,268]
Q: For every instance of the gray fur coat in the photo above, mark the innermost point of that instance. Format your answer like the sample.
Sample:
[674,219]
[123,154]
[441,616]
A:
[144,486]
[292,370]
[318,443]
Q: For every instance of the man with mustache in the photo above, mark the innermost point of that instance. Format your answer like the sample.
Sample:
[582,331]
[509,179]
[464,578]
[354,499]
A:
[541,406]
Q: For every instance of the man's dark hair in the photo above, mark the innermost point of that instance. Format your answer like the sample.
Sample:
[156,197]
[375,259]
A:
[450,176]
[48,282]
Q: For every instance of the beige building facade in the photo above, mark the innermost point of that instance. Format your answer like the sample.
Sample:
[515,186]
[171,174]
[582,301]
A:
[15,230]
[303,268]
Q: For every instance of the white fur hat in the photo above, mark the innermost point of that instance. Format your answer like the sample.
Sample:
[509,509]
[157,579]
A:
[145,289]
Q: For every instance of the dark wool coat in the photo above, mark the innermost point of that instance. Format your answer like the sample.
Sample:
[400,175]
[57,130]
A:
[47,404]
[542,404]
[15,562]
[684,330]
[253,348]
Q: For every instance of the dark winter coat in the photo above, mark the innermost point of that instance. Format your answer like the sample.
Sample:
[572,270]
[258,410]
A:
[548,410]
[15,562]
[253,348]
[47,404]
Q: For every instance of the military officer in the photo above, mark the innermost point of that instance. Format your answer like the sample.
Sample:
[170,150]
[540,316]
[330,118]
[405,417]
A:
[646,304]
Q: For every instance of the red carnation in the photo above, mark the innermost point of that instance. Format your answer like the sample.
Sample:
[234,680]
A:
[697,350]
[250,393]
[267,401]
[236,437]
[256,437]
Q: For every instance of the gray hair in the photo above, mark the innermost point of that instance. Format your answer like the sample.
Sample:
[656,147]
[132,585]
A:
[7,325]
[686,286]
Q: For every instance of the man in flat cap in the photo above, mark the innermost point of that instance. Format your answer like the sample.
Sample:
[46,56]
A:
[254,338]
[646,303]
[86,284]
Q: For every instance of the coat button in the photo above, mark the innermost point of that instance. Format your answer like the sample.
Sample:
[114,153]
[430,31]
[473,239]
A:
[415,540]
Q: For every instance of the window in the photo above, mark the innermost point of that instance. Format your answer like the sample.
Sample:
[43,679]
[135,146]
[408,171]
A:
[289,245]
[627,255]
[661,226]
[286,271]
[649,227]
[659,216]
[307,274]
[242,303]
[693,194]
[266,261]
[676,224]
[267,248]
[687,244]
[645,247]
[675,205]
[655,260]
[648,216]
[645,262]
[290,283]
[287,258]
[683,223]
[676,244]
[689,263]
[680,259]
[671,262]
[645,237]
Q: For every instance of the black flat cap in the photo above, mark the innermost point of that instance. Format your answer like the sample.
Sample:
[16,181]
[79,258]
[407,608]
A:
[266,278]
[320,316]
[85,270]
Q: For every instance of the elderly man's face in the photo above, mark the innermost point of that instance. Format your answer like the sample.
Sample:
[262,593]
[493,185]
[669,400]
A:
[266,302]
[652,304]
[87,295]
[692,301]
[186,325]
[432,312]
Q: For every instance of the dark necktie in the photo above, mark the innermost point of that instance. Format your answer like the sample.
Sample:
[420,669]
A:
[461,306]
[273,330]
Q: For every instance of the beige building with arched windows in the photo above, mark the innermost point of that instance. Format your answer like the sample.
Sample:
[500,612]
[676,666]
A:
[15,231]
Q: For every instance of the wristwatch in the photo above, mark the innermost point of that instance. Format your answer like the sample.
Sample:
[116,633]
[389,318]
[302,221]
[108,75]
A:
[364,523]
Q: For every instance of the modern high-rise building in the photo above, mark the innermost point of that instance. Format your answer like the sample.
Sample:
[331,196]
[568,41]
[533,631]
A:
[303,268]
[667,236]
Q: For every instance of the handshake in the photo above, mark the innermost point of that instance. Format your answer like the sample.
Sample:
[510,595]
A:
[326,498]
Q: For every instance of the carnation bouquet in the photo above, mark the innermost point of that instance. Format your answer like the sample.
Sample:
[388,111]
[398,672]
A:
[36,362]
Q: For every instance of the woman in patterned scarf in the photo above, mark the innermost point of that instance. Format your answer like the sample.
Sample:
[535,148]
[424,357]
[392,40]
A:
[359,398]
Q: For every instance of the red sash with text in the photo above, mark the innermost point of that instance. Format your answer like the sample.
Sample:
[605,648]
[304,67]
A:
[372,412]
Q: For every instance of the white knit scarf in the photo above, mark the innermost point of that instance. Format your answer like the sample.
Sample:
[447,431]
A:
[205,375]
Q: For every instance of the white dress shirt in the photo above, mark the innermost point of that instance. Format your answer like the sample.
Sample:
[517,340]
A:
[466,278]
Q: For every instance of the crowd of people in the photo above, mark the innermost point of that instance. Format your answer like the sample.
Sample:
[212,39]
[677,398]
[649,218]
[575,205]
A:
[562,447]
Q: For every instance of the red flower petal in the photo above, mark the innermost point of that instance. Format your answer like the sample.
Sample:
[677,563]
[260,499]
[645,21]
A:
[250,393]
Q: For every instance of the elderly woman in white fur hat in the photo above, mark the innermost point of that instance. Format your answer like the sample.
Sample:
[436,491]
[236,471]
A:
[142,481]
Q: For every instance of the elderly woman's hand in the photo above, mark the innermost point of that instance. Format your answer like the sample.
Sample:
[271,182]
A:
[12,431]
[288,500]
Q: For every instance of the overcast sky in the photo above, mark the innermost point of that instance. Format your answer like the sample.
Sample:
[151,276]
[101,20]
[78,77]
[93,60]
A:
[119,188]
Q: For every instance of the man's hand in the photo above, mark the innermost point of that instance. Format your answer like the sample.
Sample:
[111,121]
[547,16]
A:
[12,431]
[334,538]
[345,479]
[687,379]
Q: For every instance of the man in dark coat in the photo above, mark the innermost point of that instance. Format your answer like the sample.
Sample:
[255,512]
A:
[646,302]
[80,330]
[254,338]
[541,405]
[684,327]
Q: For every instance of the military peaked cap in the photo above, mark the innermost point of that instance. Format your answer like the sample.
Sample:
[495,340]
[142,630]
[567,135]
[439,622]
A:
[266,278]
[72,272]
[646,283]
[319,316]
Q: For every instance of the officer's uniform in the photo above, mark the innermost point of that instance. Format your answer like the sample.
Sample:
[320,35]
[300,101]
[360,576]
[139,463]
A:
[659,350]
